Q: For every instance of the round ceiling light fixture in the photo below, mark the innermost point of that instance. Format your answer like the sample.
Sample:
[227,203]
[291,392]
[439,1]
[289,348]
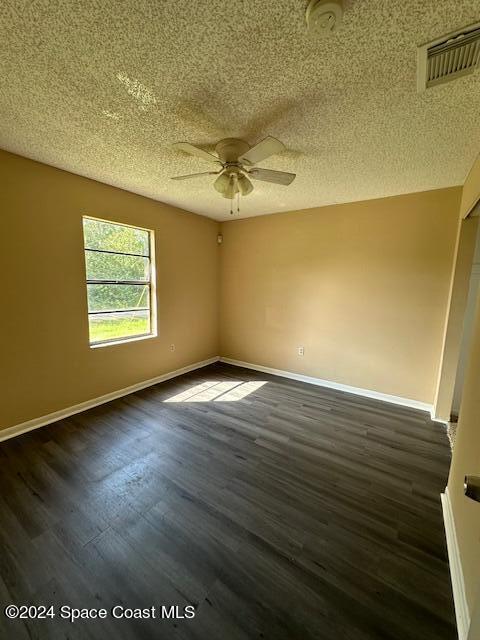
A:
[324,16]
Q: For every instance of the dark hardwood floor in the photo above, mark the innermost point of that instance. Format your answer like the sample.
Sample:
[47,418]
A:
[294,512]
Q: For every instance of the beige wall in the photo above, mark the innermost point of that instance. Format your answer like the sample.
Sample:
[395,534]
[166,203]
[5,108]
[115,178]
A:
[46,362]
[363,287]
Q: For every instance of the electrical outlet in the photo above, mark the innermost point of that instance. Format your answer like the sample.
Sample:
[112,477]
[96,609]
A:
[301,351]
[172,347]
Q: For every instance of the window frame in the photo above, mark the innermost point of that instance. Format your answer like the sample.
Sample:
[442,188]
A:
[151,282]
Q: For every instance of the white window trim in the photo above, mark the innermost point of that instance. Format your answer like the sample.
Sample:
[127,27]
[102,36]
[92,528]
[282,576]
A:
[153,288]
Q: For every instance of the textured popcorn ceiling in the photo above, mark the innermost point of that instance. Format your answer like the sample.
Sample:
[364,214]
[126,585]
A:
[102,88]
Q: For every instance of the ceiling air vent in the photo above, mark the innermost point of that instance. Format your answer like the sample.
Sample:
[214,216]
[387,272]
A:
[447,58]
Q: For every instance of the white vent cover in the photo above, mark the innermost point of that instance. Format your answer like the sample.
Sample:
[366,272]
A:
[447,58]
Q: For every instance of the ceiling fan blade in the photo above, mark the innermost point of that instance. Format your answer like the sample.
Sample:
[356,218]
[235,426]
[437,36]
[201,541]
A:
[194,175]
[195,151]
[264,149]
[268,175]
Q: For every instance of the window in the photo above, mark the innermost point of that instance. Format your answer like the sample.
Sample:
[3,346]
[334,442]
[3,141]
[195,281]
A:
[120,281]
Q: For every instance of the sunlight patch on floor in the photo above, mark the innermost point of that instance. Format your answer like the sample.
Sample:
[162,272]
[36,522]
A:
[214,390]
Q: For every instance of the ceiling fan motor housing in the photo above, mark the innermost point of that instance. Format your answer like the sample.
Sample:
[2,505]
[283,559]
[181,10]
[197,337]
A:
[230,149]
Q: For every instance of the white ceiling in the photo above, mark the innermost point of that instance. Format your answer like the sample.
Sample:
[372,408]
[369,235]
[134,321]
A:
[103,88]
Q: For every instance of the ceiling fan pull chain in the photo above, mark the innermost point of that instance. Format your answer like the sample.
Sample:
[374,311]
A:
[238,202]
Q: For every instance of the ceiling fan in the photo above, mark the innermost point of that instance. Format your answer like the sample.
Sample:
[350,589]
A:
[237,160]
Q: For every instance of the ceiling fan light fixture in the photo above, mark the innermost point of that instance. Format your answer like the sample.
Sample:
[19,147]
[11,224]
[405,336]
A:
[232,188]
[244,185]
[221,183]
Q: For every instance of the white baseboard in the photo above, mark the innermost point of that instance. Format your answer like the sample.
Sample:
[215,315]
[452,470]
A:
[16,430]
[367,393]
[462,613]
[436,418]
[10,432]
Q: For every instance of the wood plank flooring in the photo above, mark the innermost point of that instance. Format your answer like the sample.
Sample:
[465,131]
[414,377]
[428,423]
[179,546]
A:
[291,513]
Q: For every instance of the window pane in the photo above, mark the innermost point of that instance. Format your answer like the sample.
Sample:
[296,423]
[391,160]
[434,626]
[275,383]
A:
[115,297]
[115,237]
[108,266]
[113,326]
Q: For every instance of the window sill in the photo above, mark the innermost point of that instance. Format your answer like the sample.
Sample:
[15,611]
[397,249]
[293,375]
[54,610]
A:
[111,343]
